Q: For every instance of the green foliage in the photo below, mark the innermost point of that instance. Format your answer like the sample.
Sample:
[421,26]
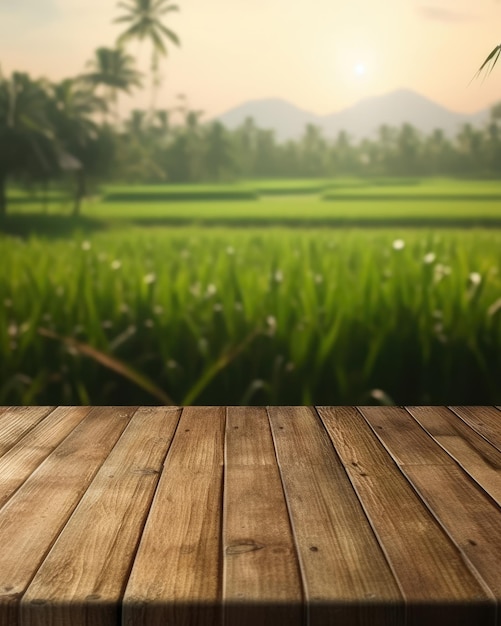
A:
[253,317]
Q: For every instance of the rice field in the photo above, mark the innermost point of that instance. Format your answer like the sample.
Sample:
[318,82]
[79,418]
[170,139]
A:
[297,203]
[252,316]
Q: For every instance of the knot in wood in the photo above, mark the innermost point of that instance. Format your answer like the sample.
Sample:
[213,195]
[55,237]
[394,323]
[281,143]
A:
[244,545]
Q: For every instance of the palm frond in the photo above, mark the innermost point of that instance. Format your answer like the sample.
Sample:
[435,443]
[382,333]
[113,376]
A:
[494,53]
[170,34]
[125,18]
[169,9]
[158,43]
[127,7]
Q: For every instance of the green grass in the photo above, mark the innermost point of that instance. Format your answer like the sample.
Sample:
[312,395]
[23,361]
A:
[432,202]
[179,193]
[259,316]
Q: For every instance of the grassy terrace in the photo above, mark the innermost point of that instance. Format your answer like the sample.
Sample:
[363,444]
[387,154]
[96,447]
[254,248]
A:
[107,309]
[377,202]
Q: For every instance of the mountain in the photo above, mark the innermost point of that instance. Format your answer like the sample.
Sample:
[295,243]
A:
[359,121]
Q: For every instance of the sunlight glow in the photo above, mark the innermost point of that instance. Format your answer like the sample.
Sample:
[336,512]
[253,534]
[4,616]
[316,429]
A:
[360,69]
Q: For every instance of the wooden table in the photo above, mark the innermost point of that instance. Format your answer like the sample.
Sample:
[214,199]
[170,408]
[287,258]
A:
[262,516]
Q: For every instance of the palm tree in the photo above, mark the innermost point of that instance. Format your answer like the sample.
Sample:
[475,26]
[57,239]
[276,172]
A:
[470,146]
[343,155]
[437,153]
[218,155]
[246,141]
[144,19]
[71,111]
[28,143]
[408,148]
[386,136]
[314,151]
[113,69]
[194,137]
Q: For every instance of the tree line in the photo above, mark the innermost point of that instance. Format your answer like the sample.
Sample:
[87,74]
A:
[72,130]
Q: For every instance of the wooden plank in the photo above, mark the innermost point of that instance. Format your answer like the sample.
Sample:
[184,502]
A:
[17,421]
[485,420]
[33,517]
[397,425]
[176,573]
[82,579]
[480,459]
[438,586]
[261,577]
[468,515]
[346,577]
[25,456]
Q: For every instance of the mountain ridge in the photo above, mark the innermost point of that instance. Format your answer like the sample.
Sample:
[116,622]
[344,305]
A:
[360,120]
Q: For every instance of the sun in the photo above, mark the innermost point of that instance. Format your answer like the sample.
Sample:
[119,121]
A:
[360,69]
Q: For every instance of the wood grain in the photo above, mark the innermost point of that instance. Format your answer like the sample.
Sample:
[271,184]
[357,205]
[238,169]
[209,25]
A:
[480,459]
[261,578]
[345,574]
[17,421]
[176,574]
[436,581]
[33,517]
[467,514]
[409,443]
[214,516]
[25,456]
[486,420]
[82,578]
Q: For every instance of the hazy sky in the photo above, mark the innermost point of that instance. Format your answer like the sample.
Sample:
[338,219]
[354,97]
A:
[322,55]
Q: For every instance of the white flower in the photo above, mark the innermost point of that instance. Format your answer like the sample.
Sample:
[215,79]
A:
[475,278]
[149,323]
[429,258]
[158,310]
[116,264]
[441,271]
[271,321]
[279,276]
[230,250]
[211,289]
[398,244]
[171,364]
[149,279]
[319,278]
[86,245]
[218,307]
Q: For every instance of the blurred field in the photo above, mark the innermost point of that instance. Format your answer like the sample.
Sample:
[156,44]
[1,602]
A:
[377,202]
[257,316]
